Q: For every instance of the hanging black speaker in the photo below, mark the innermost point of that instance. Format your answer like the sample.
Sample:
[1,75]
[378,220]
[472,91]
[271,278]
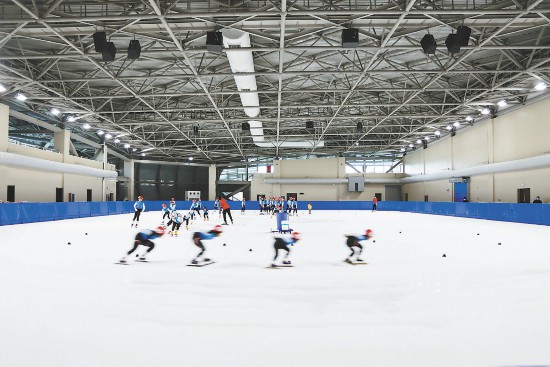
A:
[100,41]
[360,126]
[452,43]
[109,52]
[245,126]
[428,44]
[463,33]
[134,50]
[309,125]
[350,38]
[214,41]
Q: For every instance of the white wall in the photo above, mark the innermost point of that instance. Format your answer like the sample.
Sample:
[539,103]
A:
[316,168]
[519,134]
[41,186]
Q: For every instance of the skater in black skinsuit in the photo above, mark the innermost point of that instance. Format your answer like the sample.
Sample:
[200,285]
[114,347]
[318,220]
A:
[197,240]
[353,241]
[144,238]
[282,244]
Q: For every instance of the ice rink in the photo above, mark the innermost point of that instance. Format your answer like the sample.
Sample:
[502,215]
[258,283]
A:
[484,304]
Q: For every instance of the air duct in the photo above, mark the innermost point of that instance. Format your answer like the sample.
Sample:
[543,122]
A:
[21,161]
[242,62]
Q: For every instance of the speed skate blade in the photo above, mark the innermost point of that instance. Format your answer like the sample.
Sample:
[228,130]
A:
[355,262]
[201,264]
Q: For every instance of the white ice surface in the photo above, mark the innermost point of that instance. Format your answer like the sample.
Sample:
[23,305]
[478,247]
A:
[482,305]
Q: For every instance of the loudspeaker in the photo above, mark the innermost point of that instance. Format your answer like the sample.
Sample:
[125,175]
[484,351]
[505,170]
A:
[214,41]
[452,43]
[360,126]
[134,50]
[463,33]
[109,52]
[245,126]
[350,38]
[310,125]
[195,130]
[100,41]
[425,144]
[428,44]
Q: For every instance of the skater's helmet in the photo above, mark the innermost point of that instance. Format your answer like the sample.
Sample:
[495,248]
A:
[159,230]
[295,236]
[217,230]
[369,233]
[140,197]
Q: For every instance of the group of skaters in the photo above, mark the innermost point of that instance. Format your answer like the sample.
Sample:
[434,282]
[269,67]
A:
[145,237]
[275,205]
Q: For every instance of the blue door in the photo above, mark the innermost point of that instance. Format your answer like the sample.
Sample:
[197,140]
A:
[461,191]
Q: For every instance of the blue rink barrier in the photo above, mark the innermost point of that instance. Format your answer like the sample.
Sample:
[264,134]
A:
[18,213]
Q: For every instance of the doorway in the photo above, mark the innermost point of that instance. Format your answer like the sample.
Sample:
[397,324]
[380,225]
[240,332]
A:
[11,194]
[292,195]
[89,195]
[524,195]
[58,194]
[378,196]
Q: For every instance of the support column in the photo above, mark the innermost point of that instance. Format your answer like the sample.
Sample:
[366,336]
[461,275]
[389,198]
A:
[212,182]
[4,127]
[129,172]
[62,143]
[103,191]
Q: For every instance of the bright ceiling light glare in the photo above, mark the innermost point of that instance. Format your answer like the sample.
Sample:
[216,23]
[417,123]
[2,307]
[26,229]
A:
[55,111]
[456,124]
[411,145]
[190,158]
[402,149]
[539,86]
[502,103]
[419,141]
[2,88]
[126,145]
[143,154]
[437,133]
[469,118]
[117,141]
[100,132]
[71,119]
[108,136]
[427,138]
[449,127]
[21,97]
[485,111]
[86,126]
[133,150]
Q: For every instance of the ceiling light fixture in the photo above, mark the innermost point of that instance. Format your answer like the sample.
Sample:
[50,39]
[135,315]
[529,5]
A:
[411,145]
[449,127]
[469,118]
[190,158]
[133,150]
[117,141]
[100,132]
[21,97]
[456,124]
[2,88]
[502,103]
[86,126]
[419,141]
[485,111]
[55,111]
[426,138]
[126,145]
[539,86]
[437,132]
[108,136]
[71,119]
